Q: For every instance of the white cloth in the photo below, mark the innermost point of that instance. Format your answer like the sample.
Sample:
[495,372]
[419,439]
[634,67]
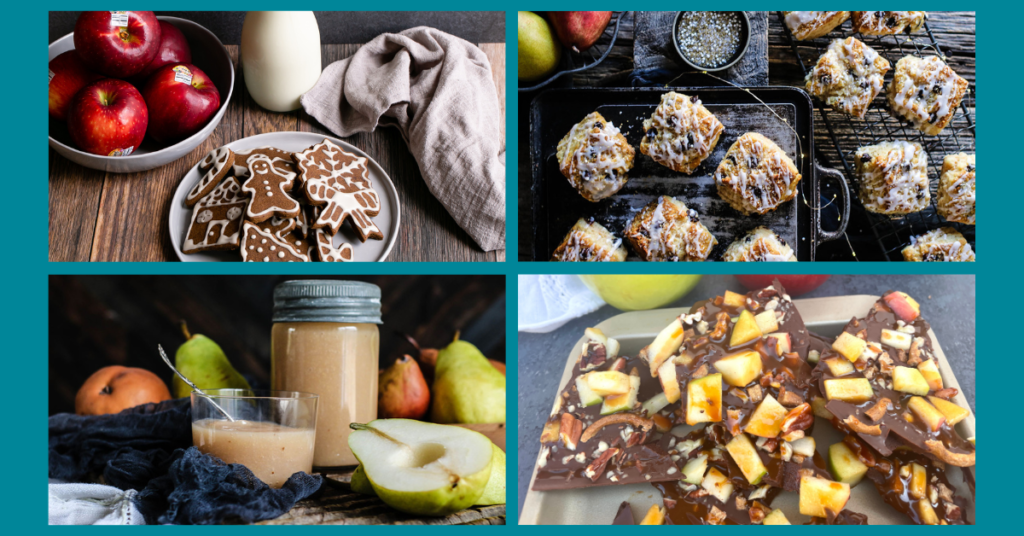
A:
[546,302]
[92,504]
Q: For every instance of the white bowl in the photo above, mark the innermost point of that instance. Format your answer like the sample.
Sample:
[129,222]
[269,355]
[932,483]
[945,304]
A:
[209,54]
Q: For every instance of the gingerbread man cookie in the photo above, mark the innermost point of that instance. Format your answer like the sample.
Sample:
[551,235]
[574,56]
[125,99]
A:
[282,159]
[213,167]
[340,181]
[262,244]
[217,219]
[269,187]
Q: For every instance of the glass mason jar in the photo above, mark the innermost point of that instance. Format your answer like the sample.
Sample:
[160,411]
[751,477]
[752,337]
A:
[325,341]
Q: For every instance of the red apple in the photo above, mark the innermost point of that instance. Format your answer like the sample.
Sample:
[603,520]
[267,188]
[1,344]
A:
[108,117]
[181,98]
[118,44]
[795,285]
[579,30]
[173,49]
[68,74]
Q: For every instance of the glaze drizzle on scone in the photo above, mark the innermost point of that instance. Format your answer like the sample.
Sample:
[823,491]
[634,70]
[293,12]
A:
[595,157]
[893,177]
[759,245]
[956,188]
[589,242]
[887,22]
[848,76]
[926,92]
[811,24]
[939,245]
[665,230]
[681,133]
[756,176]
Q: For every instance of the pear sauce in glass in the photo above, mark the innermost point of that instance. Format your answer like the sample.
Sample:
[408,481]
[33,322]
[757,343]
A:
[325,341]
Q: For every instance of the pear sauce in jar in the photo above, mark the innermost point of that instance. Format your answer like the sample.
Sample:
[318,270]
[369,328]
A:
[709,38]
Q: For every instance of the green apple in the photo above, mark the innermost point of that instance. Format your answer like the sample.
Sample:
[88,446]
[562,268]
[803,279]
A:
[422,468]
[640,292]
[539,51]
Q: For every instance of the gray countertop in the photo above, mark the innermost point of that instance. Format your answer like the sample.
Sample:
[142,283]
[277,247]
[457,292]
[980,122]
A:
[947,302]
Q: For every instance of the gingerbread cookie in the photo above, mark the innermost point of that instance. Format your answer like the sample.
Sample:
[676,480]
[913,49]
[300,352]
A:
[213,167]
[326,250]
[261,244]
[339,181]
[269,187]
[217,219]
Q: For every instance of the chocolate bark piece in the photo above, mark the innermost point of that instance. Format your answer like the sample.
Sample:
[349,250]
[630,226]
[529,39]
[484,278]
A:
[624,516]
[887,426]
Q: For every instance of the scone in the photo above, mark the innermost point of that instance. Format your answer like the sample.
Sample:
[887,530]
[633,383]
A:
[956,188]
[811,24]
[595,157]
[756,176]
[887,22]
[926,92]
[759,245]
[848,76]
[681,133]
[940,245]
[665,230]
[590,242]
[893,177]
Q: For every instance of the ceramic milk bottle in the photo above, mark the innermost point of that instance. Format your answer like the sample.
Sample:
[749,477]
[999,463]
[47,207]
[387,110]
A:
[280,57]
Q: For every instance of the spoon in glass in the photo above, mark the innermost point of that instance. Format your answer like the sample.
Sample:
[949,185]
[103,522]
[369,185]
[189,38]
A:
[190,384]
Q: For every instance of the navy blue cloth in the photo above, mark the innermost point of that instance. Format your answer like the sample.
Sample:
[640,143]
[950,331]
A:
[149,448]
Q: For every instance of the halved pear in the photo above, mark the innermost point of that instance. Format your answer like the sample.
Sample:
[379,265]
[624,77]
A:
[422,468]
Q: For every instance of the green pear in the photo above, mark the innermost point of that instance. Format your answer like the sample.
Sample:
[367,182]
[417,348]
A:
[467,388]
[494,493]
[203,362]
[422,468]
[539,51]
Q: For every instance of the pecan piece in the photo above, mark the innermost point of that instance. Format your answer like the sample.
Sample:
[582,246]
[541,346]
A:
[798,419]
[915,352]
[854,424]
[619,418]
[550,433]
[721,325]
[570,430]
[789,398]
[661,422]
[636,438]
[757,513]
[716,516]
[700,372]
[732,421]
[596,468]
[755,393]
[699,343]
[878,410]
[946,393]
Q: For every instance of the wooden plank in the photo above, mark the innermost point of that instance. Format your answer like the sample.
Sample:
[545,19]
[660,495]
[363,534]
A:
[74,201]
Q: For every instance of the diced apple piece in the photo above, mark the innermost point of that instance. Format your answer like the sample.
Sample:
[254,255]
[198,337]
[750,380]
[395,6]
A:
[766,421]
[596,335]
[839,366]
[655,404]
[608,383]
[717,485]
[909,380]
[926,512]
[745,455]
[704,400]
[918,487]
[818,405]
[905,308]
[654,516]
[819,496]
[853,390]
[804,446]
[776,517]
[669,383]
[683,359]
[844,465]
[612,346]
[733,299]
[617,403]
[782,343]
[931,374]
[953,412]
[927,413]
[850,346]
[745,329]
[693,471]
[897,339]
[813,356]
[766,322]
[664,345]
[740,369]
[587,395]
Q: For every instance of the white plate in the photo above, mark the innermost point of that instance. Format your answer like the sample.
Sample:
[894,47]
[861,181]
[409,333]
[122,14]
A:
[369,251]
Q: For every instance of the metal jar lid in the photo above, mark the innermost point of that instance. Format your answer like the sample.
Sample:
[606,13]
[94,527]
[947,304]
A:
[350,302]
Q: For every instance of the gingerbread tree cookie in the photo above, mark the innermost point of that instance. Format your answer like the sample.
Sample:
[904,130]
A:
[261,243]
[340,182]
[269,186]
[217,219]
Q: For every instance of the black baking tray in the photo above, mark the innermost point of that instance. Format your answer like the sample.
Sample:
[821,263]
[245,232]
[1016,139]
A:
[783,114]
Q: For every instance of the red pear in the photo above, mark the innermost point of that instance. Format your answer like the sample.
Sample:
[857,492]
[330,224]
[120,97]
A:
[579,30]
[403,392]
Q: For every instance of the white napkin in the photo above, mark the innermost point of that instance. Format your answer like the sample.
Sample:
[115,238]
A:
[92,504]
[547,302]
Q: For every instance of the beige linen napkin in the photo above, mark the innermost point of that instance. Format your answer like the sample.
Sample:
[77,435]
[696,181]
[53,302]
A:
[438,91]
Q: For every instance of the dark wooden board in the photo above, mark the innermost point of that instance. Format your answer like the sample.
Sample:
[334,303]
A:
[653,48]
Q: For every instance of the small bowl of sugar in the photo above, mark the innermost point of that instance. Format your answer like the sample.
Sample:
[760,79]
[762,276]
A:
[711,40]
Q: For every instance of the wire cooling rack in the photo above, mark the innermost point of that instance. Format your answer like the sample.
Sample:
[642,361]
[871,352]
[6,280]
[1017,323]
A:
[575,62]
[848,134]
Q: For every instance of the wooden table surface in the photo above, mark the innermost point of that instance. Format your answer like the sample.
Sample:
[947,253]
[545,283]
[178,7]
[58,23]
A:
[98,216]
[953,30]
